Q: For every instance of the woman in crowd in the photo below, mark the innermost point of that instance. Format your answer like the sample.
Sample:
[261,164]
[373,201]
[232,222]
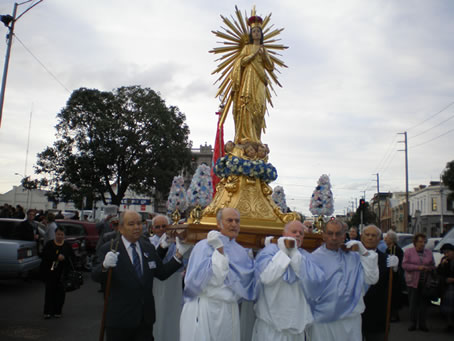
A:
[56,262]
[446,271]
[417,262]
[398,278]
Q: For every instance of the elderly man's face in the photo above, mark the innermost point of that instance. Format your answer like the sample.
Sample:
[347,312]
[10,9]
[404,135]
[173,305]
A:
[131,228]
[370,238]
[230,223]
[159,226]
[334,236]
[296,230]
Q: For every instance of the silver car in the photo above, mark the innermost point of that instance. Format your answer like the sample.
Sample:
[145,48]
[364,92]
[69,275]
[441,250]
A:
[18,258]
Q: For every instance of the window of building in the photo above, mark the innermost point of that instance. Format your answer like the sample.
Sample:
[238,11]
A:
[434,204]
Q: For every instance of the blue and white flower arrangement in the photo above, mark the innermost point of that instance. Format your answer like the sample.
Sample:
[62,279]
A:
[177,196]
[233,165]
[200,192]
[322,202]
[278,197]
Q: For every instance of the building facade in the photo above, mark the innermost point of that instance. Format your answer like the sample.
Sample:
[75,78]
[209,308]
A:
[431,211]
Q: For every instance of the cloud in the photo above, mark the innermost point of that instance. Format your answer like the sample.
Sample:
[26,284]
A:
[359,72]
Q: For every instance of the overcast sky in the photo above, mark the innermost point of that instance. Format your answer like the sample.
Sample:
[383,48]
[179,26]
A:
[359,72]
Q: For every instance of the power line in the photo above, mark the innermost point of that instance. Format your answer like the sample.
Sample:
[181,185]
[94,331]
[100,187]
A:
[425,131]
[436,137]
[416,125]
[40,63]
[387,153]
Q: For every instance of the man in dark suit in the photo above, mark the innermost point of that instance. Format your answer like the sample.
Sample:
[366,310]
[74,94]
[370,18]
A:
[131,308]
[27,230]
[376,298]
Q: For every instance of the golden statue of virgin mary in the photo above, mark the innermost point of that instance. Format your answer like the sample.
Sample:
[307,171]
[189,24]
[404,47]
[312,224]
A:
[248,64]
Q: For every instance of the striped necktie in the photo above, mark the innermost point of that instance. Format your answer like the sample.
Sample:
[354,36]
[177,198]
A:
[136,260]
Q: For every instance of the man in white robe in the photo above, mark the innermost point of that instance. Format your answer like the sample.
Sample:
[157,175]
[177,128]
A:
[168,294]
[284,276]
[219,274]
[337,311]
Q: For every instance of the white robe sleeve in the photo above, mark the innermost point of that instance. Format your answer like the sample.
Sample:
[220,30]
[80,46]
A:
[370,267]
[220,267]
[275,269]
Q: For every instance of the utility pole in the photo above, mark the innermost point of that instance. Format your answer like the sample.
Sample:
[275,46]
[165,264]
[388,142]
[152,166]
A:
[9,38]
[407,209]
[7,20]
[441,207]
[378,198]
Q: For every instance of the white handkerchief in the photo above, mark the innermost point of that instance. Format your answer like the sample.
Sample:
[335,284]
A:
[151,265]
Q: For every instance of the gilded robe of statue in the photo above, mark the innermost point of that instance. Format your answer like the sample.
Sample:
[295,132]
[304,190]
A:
[250,87]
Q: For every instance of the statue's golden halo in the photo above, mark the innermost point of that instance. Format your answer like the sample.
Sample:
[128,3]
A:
[235,36]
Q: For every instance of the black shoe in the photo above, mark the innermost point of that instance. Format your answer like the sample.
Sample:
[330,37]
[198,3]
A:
[57,316]
[47,316]
[411,328]
[448,329]
[423,328]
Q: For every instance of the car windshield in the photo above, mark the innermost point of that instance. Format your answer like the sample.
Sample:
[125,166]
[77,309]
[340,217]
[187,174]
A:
[448,238]
[404,240]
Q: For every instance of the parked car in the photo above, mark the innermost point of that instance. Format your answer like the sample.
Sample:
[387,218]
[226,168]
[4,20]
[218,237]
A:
[430,244]
[18,258]
[86,236]
[404,239]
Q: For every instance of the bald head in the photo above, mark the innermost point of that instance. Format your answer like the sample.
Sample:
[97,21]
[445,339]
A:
[131,225]
[294,229]
[228,220]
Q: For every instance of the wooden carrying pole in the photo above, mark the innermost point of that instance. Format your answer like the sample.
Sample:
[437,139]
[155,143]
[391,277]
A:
[107,289]
[390,294]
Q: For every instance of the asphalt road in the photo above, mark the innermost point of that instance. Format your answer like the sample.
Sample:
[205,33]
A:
[21,318]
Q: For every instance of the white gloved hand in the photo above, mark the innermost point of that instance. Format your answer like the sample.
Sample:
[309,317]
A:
[182,248]
[392,262]
[163,241]
[110,260]
[292,251]
[213,239]
[281,245]
[362,249]
[268,240]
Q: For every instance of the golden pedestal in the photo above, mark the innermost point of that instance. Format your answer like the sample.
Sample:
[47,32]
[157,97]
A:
[252,198]
[260,216]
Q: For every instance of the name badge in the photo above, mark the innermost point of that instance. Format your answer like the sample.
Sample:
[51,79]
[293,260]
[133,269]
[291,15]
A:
[152,265]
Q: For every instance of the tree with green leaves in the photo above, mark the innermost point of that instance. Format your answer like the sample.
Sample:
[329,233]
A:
[111,141]
[369,217]
[448,178]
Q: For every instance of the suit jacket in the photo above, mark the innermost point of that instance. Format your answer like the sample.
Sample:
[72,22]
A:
[131,301]
[411,263]
[376,299]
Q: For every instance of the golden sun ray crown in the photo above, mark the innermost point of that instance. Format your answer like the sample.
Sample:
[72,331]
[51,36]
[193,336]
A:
[235,35]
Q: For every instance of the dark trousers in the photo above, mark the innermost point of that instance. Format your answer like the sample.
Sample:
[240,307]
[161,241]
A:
[376,336]
[418,306]
[54,297]
[142,333]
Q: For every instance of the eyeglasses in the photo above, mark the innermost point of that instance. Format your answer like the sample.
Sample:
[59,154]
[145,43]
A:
[160,226]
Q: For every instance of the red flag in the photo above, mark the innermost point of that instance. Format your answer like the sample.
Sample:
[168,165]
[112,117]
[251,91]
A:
[218,152]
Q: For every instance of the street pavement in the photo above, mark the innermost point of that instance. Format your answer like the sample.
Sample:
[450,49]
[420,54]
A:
[21,305]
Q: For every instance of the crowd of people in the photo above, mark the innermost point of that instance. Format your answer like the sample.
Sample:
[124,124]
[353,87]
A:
[218,290]
[222,291]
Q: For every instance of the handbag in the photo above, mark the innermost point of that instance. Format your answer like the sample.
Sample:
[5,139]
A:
[431,287]
[73,280]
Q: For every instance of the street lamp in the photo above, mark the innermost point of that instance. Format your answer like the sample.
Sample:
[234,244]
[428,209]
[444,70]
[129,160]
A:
[9,22]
